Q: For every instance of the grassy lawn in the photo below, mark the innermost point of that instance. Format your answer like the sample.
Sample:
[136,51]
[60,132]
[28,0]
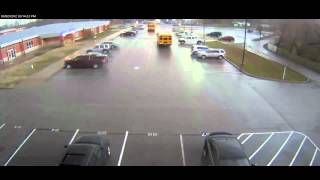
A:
[257,65]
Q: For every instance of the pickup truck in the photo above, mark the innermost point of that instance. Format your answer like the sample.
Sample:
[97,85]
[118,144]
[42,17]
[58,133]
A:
[191,40]
[100,48]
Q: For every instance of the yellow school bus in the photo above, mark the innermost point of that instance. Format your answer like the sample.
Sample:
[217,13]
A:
[151,26]
[164,39]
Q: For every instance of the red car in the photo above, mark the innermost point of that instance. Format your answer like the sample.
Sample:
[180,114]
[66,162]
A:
[86,61]
[227,38]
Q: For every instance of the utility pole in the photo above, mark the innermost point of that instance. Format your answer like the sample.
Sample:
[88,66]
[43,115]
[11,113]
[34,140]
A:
[204,35]
[244,44]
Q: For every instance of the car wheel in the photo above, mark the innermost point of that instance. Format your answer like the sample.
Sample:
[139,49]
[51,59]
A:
[182,42]
[203,57]
[95,66]
[105,52]
[199,42]
[220,57]
[68,66]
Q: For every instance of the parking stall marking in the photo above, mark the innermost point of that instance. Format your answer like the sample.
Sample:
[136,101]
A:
[296,154]
[282,146]
[252,155]
[182,151]
[2,126]
[24,141]
[122,149]
[73,137]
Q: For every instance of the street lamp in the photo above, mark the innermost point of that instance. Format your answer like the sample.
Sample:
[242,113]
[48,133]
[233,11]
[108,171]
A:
[244,44]
[204,34]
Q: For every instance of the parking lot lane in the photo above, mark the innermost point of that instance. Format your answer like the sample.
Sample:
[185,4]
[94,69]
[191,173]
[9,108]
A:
[10,139]
[159,150]
[287,153]
[254,143]
[266,153]
[305,155]
[44,148]
[193,145]
[116,141]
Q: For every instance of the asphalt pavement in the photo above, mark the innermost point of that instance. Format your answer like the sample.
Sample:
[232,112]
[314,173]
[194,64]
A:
[163,90]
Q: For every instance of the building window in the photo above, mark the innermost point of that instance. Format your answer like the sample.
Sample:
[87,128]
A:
[11,53]
[29,44]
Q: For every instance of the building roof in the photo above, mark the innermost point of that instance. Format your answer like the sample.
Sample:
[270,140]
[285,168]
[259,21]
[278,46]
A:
[58,29]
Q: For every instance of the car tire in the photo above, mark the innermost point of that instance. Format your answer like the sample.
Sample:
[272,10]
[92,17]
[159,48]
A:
[89,52]
[220,57]
[182,42]
[68,66]
[95,66]
[105,52]
[203,57]
[199,42]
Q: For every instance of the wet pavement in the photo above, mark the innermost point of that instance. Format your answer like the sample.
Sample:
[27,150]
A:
[164,90]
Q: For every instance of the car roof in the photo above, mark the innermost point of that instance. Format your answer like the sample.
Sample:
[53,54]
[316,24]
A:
[216,49]
[79,154]
[228,147]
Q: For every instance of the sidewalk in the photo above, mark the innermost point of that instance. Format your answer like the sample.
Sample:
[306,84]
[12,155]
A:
[49,71]
[260,50]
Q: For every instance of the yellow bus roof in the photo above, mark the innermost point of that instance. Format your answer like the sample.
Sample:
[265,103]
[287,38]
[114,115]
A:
[164,34]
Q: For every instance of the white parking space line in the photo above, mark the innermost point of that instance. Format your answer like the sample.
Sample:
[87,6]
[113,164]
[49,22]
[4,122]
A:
[240,136]
[246,139]
[182,150]
[74,136]
[252,155]
[2,126]
[23,142]
[122,149]
[313,157]
[295,156]
[282,146]
[269,132]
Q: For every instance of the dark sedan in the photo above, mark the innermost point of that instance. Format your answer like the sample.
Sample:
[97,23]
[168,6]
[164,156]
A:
[128,33]
[86,61]
[215,34]
[223,149]
[91,150]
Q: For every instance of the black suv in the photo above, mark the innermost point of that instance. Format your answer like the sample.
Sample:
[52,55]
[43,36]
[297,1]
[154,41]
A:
[91,150]
[223,149]
[215,34]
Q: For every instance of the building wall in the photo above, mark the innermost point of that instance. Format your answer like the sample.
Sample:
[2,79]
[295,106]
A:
[51,41]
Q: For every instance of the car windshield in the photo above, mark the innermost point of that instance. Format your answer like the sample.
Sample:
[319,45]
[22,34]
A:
[156,95]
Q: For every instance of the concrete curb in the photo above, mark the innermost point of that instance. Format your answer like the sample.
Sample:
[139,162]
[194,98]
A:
[269,79]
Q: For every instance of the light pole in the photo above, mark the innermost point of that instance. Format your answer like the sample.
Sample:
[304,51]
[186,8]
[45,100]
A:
[204,35]
[244,44]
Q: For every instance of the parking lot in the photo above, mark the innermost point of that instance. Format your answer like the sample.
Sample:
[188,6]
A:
[161,97]
[46,147]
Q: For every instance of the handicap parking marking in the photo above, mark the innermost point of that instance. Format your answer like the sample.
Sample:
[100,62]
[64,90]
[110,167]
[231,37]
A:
[266,153]
[305,155]
[19,147]
[316,159]
[144,150]
[287,148]
[44,148]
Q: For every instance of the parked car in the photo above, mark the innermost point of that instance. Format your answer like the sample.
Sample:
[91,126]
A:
[196,48]
[100,48]
[190,40]
[128,33]
[216,53]
[215,34]
[85,61]
[250,30]
[223,149]
[227,38]
[111,44]
[90,150]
